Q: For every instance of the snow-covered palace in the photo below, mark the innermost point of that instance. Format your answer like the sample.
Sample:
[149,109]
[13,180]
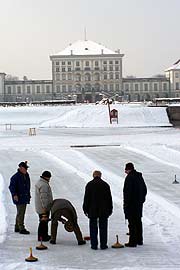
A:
[88,71]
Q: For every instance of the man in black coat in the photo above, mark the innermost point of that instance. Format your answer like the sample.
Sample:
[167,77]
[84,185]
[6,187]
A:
[134,193]
[98,207]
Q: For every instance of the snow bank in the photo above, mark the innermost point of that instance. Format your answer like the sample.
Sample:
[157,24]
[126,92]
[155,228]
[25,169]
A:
[3,223]
[85,116]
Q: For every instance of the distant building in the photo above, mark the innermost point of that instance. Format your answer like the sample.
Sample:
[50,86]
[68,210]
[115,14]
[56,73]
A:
[86,71]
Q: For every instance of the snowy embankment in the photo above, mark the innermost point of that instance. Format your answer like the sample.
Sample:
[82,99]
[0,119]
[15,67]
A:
[85,116]
[3,223]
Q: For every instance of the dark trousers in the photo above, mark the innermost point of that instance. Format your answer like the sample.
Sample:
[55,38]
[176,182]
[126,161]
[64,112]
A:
[102,223]
[21,209]
[42,228]
[135,230]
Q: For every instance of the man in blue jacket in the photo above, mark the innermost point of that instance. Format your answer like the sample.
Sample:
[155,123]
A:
[20,191]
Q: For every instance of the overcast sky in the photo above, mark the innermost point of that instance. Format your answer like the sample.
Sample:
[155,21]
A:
[146,31]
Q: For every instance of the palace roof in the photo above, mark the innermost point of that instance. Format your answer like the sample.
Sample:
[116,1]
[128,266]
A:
[86,47]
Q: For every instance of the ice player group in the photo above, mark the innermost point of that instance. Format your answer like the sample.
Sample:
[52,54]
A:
[97,206]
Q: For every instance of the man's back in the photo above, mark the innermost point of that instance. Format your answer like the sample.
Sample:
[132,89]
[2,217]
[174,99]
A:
[97,199]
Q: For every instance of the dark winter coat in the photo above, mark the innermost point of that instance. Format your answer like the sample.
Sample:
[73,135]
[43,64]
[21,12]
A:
[62,204]
[20,186]
[97,199]
[134,192]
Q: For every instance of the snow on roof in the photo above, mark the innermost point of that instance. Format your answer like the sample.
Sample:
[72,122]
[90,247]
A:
[85,47]
[175,66]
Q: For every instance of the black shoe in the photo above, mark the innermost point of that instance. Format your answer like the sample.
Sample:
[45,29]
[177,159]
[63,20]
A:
[16,230]
[95,248]
[130,245]
[82,242]
[104,247]
[24,231]
[53,242]
[140,243]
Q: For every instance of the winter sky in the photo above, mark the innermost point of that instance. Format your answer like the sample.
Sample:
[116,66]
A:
[146,31]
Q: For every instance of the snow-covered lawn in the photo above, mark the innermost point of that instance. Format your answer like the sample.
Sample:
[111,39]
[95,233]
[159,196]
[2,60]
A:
[71,142]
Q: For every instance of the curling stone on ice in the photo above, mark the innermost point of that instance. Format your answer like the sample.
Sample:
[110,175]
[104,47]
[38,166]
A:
[41,246]
[117,244]
[31,258]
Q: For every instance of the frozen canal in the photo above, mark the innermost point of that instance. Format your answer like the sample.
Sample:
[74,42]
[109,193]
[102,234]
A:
[71,154]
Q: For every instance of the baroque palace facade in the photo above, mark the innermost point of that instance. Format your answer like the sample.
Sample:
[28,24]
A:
[86,72]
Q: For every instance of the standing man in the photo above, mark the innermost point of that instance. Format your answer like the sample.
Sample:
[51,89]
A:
[62,210]
[134,193]
[20,191]
[43,202]
[98,206]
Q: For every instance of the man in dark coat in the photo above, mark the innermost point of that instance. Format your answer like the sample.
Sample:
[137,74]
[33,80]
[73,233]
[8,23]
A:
[62,210]
[20,191]
[98,206]
[134,193]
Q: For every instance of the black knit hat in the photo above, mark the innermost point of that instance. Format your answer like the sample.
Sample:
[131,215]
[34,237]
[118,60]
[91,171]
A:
[23,164]
[46,174]
[129,166]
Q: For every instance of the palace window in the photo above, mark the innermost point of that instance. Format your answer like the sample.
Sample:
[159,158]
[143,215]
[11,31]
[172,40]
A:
[28,89]
[111,87]
[155,87]
[9,90]
[57,88]
[47,89]
[38,90]
[19,89]
[136,87]
[146,87]
[165,86]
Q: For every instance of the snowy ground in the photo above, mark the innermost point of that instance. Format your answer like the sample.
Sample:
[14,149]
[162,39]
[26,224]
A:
[143,136]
